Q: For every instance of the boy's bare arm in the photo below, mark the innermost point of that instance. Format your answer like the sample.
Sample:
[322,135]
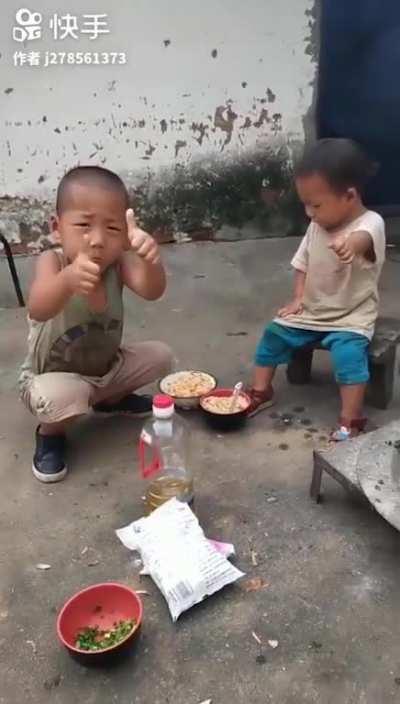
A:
[141,269]
[359,243]
[49,291]
[296,305]
[143,278]
[53,286]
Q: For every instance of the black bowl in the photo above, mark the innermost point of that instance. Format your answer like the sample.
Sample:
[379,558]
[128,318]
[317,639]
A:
[225,421]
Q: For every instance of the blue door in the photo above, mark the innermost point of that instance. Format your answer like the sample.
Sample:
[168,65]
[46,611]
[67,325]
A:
[359,85]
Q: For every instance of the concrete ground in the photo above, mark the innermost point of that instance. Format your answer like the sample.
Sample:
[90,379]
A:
[332,572]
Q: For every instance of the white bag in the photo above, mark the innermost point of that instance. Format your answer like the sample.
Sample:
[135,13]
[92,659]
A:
[185,566]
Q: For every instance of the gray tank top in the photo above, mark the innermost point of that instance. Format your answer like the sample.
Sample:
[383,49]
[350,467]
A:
[78,339]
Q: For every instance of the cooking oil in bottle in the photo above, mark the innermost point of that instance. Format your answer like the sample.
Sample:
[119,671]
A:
[163,456]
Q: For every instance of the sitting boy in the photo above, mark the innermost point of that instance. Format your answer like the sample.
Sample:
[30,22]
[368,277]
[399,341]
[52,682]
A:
[337,267]
[75,360]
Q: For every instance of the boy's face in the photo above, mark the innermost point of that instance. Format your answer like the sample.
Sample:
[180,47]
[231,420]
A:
[100,214]
[323,205]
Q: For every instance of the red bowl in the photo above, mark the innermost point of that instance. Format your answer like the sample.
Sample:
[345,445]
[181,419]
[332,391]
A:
[225,421]
[99,605]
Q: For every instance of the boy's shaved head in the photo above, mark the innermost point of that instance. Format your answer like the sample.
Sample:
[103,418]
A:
[88,176]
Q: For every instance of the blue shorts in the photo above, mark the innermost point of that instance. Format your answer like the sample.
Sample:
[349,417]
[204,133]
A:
[349,350]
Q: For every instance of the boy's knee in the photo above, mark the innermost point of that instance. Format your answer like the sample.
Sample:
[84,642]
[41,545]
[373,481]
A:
[41,400]
[272,350]
[54,399]
[350,361]
[155,357]
[162,358]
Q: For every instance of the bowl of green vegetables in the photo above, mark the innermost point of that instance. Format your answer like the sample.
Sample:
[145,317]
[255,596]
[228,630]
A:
[100,623]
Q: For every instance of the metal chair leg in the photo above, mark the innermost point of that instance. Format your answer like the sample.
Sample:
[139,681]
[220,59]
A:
[315,488]
[13,271]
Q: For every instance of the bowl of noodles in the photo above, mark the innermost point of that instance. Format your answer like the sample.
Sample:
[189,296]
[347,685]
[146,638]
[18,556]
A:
[220,412]
[187,387]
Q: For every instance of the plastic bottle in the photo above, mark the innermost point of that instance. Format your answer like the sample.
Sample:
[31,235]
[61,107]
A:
[163,456]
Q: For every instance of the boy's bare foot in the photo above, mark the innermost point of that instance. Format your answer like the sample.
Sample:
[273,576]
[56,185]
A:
[260,400]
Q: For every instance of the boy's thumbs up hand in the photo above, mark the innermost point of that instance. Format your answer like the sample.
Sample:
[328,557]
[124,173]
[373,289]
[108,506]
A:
[83,274]
[141,242]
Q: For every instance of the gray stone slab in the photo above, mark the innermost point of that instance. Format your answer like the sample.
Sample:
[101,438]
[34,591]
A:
[378,470]
[343,459]
[370,464]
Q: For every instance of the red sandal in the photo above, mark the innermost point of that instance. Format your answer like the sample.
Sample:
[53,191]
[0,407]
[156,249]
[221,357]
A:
[260,400]
[348,429]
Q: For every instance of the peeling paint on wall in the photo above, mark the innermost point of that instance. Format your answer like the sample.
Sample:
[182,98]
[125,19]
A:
[224,119]
[313,15]
[217,131]
[206,107]
[312,40]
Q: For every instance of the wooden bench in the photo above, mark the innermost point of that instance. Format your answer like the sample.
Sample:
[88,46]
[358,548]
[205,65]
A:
[382,360]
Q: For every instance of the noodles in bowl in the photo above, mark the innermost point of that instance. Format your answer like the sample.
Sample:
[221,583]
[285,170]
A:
[187,387]
[223,404]
[217,409]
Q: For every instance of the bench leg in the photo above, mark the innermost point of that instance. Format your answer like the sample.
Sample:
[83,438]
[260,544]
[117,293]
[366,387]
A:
[13,271]
[380,390]
[299,369]
[315,488]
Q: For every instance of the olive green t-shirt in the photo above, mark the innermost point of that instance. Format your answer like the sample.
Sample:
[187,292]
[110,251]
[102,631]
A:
[78,339]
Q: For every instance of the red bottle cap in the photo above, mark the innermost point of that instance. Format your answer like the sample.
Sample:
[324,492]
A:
[162,401]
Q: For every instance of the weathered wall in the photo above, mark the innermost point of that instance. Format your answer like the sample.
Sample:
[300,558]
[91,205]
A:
[201,121]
